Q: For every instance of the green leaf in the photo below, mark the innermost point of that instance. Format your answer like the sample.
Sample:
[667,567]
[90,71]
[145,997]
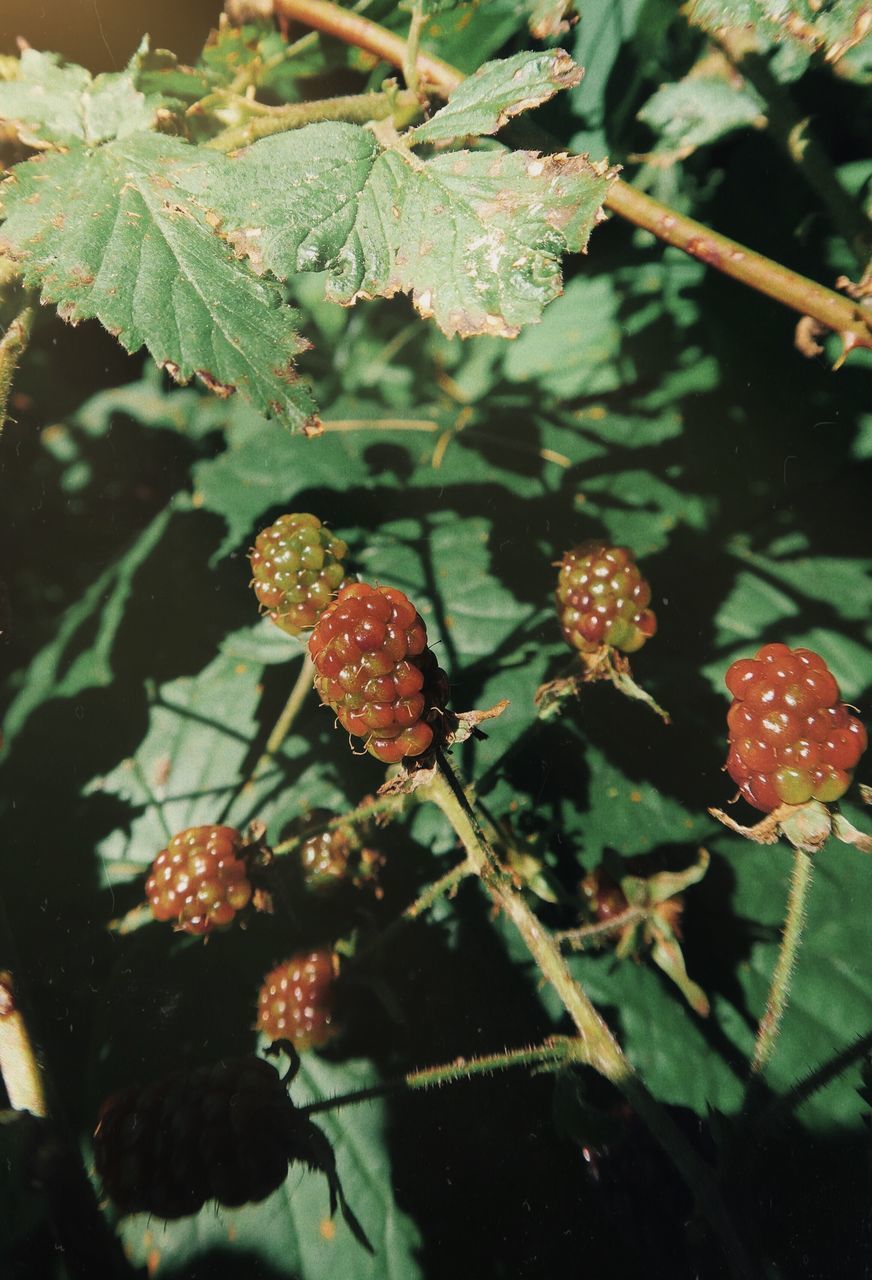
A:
[115,234]
[487,100]
[53,103]
[835,29]
[700,110]
[575,350]
[290,1233]
[475,237]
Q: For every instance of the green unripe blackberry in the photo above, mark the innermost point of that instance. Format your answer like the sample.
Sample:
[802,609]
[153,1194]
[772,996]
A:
[297,569]
[602,599]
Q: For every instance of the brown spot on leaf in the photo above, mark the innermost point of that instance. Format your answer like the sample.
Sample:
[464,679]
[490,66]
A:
[222,389]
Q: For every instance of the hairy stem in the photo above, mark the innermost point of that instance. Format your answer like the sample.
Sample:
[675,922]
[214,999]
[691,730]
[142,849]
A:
[357,108]
[363,813]
[553,1053]
[595,1045]
[413,47]
[13,344]
[578,939]
[430,895]
[779,991]
[834,312]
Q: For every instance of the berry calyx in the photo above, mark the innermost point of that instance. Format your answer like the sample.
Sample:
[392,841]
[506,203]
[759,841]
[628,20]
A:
[297,1000]
[220,1133]
[297,567]
[199,880]
[373,668]
[791,738]
[602,599]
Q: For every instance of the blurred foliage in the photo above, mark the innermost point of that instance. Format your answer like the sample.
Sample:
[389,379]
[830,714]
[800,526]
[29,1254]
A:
[655,404]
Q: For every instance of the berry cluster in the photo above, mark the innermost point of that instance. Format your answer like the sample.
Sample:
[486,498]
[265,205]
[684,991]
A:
[791,737]
[297,999]
[297,568]
[374,669]
[602,599]
[217,1133]
[199,880]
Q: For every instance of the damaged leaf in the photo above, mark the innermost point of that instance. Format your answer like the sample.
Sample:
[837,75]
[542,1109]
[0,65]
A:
[487,100]
[116,235]
[53,103]
[475,237]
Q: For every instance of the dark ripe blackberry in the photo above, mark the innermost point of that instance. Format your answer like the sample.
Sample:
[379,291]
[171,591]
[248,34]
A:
[602,599]
[373,668]
[297,999]
[219,1133]
[199,881]
[791,738]
[297,569]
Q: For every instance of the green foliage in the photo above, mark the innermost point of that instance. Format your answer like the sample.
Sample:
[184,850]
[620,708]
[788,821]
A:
[653,405]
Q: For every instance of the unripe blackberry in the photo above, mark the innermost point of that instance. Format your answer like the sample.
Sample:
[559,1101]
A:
[602,599]
[373,668]
[220,1133]
[297,1000]
[297,568]
[324,859]
[603,895]
[791,737]
[199,880]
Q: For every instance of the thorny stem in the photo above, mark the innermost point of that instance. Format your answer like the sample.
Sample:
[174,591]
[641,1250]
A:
[13,344]
[840,314]
[357,108]
[779,991]
[595,1045]
[362,813]
[430,895]
[578,939]
[553,1054]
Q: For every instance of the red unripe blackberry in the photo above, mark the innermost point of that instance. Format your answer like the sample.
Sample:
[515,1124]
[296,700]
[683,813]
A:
[603,895]
[199,880]
[602,599]
[297,999]
[221,1133]
[791,738]
[374,669]
[297,568]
